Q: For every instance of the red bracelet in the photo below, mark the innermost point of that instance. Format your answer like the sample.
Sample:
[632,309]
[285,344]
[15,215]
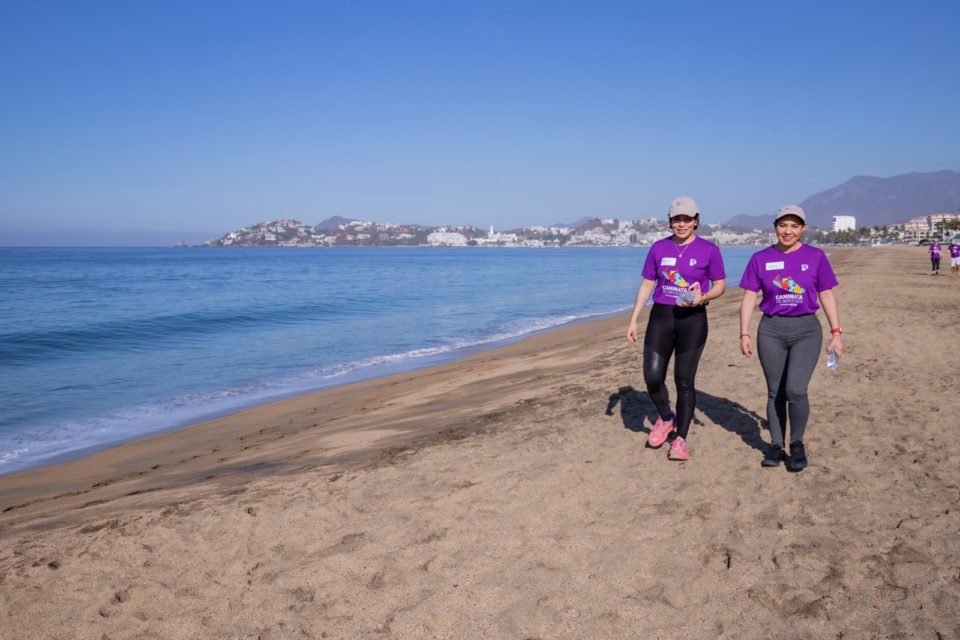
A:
[836,331]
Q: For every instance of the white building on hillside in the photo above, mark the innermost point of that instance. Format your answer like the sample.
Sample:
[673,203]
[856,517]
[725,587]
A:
[446,239]
[844,223]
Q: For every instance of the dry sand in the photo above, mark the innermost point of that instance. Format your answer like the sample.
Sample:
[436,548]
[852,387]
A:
[510,495]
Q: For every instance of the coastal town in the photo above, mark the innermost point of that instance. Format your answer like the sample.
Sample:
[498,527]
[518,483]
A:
[592,232]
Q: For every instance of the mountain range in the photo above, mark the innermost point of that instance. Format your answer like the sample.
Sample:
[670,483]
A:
[872,201]
[876,201]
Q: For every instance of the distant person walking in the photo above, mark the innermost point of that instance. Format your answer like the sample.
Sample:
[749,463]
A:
[683,273]
[954,250]
[790,277]
[935,258]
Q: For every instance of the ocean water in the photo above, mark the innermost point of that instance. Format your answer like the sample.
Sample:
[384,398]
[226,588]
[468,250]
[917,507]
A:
[100,346]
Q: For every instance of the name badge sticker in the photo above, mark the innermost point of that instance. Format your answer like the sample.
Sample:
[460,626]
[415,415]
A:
[668,262]
[773,266]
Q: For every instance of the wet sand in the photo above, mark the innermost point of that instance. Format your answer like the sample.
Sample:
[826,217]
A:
[510,495]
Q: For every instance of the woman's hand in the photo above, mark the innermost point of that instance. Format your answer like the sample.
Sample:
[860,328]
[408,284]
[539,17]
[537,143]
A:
[747,303]
[697,297]
[643,294]
[836,345]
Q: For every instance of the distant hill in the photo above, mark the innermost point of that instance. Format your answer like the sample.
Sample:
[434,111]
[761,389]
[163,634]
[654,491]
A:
[879,201]
[333,223]
[751,222]
[573,225]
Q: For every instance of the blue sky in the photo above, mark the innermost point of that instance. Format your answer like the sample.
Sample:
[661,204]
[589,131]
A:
[138,122]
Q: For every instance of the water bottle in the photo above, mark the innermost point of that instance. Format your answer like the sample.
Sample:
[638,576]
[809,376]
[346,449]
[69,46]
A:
[833,361]
[687,297]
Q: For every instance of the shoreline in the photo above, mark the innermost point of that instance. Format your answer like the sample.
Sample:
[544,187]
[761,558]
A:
[509,494]
[351,377]
[209,360]
[130,460]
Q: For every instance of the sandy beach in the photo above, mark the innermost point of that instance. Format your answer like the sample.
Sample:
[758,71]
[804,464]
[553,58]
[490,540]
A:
[510,495]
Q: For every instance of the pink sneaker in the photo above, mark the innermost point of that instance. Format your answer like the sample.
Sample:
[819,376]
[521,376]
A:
[658,435]
[678,449]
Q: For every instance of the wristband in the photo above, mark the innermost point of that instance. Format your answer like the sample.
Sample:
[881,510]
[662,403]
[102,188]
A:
[744,335]
[836,331]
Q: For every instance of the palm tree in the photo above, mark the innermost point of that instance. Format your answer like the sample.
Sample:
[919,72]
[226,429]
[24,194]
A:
[952,225]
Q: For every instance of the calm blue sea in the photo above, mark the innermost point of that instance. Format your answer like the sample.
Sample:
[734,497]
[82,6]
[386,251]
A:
[100,346]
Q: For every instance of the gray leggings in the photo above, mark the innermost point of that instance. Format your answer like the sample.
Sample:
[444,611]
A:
[789,349]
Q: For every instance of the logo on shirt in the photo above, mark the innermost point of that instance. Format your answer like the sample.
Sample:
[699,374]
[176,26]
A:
[787,283]
[693,261]
[804,267]
[675,277]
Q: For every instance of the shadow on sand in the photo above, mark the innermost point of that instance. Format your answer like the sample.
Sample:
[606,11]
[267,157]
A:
[637,407]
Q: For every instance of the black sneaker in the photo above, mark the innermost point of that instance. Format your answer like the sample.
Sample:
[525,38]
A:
[798,457]
[774,457]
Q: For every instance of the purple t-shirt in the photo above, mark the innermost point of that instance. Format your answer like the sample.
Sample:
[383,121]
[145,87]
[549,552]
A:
[935,250]
[676,267]
[789,282]
[954,250]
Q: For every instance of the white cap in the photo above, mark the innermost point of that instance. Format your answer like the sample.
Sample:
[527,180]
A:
[683,206]
[791,210]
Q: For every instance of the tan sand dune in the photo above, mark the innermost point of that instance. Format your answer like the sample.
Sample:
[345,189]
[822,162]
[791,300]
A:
[510,495]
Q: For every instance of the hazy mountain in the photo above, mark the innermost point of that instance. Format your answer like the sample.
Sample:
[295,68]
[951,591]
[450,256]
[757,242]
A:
[879,201]
[573,225]
[751,222]
[333,223]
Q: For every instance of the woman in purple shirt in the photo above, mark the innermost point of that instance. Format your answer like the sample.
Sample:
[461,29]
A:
[683,273]
[790,277]
[935,258]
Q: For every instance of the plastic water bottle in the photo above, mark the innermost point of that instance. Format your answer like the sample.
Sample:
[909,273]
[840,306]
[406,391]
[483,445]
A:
[649,302]
[687,297]
[833,362]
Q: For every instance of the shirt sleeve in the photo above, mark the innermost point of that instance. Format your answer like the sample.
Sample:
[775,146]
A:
[715,270]
[650,266]
[826,279]
[750,279]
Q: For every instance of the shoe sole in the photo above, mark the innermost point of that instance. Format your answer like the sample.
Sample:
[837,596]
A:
[770,463]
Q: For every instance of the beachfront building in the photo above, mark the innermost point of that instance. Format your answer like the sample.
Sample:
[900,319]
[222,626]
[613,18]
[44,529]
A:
[556,231]
[934,225]
[944,225]
[844,223]
[497,239]
[446,239]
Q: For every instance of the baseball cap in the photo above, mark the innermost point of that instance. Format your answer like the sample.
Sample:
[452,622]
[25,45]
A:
[791,210]
[683,206]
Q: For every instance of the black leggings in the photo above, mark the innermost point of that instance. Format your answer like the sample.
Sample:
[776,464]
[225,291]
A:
[935,264]
[670,328]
